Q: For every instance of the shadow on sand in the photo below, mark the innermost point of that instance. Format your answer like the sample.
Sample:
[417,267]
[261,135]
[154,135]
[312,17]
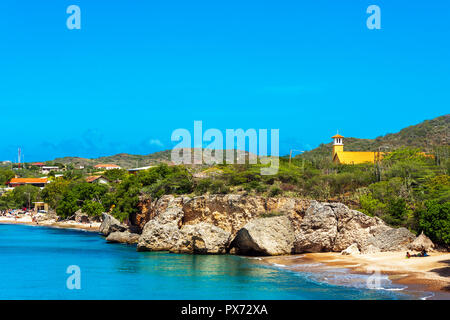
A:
[444,271]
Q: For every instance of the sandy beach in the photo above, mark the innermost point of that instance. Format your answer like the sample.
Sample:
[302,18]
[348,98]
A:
[26,219]
[430,273]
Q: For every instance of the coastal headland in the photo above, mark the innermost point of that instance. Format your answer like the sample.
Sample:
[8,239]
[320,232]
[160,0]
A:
[303,235]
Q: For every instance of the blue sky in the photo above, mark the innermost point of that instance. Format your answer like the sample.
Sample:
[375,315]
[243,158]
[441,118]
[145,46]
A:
[137,70]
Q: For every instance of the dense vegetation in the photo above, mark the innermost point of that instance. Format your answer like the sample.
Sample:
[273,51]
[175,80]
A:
[405,189]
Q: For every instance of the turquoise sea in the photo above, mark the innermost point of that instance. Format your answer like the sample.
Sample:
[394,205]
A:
[34,260]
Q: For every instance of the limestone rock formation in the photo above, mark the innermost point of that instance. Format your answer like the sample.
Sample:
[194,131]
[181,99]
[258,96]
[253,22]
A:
[205,224]
[370,249]
[123,237]
[162,232]
[110,224]
[351,250]
[420,243]
[228,212]
[265,236]
[335,227]
[81,217]
[150,208]
[203,238]
[231,212]
[392,239]
[355,227]
[318,229]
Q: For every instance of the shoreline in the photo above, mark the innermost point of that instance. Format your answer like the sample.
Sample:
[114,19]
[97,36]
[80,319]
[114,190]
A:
[89,227]
[413,275]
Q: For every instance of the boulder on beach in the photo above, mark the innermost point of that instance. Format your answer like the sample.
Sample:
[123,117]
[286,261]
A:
[422,242]
[351,250]
[110,224]
[81,217]
[265,236]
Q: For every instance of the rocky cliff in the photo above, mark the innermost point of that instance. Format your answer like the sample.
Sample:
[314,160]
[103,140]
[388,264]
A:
[252,225]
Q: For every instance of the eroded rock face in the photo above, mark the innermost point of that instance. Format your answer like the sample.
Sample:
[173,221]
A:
[318,229]
[205,224]
[123,237]
[393,239]
[265,236]
[110,224]
[228,212]
[162,232]
[370,249]
[231,212]
[335,227]
[150,208]
[355,227]
[203,238]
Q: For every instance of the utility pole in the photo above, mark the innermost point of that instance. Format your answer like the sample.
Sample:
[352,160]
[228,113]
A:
[377,163]
[18,159]
[29,200]
[290,155]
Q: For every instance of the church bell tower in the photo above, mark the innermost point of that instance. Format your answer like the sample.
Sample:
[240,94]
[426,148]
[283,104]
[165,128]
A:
[338,145]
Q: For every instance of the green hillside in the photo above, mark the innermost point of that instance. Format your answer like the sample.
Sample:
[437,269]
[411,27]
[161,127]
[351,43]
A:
[426,135]
[124,160]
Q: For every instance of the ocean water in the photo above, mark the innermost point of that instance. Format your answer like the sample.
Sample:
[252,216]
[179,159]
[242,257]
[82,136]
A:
[34,261]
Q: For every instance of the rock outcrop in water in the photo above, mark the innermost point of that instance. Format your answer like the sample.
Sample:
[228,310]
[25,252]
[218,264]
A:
[111,224]
[166,233]
[203,238]
[253,225]
[123,237]
[162,232]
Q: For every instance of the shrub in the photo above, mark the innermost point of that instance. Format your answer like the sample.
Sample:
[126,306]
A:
[272,214]
[274,191]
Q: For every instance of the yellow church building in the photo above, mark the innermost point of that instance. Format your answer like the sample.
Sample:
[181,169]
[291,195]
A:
[352,157]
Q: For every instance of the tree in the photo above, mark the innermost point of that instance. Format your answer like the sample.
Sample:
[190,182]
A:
[67,205]
[5,175]
[54,192]
[434,221]
[24,196]
[92,208]
[115,174]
